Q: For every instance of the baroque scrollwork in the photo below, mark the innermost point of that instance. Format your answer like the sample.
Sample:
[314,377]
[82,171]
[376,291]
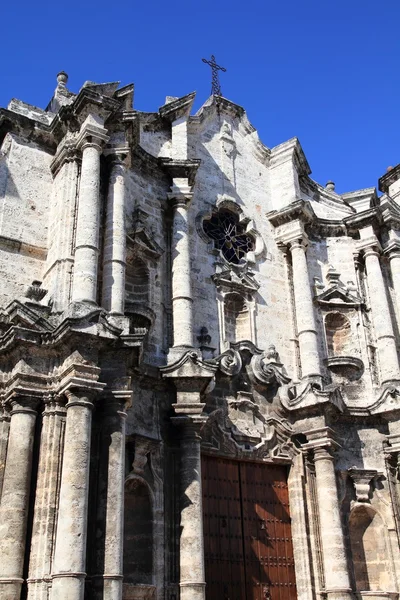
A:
[267,367]
[246,415]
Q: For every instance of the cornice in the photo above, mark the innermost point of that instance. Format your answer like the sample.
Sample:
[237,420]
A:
[388,179]
[185,169]
[290,149]
[361,220]
[178,108]
[300,210]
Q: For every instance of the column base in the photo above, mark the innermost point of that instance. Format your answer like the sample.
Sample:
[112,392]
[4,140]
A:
[39,589]
[107,587]
[192,591]
[340,594]
[68,586]
[10,588]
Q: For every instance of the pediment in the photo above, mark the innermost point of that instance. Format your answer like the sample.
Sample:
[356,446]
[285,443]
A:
[140,239]
[231,281]
[338,295]
[18,314]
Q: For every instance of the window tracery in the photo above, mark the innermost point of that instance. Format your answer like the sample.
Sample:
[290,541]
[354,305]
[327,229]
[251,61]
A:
[229,235]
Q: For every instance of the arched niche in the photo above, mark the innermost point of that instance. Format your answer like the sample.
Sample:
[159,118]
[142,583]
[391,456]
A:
[138,567]
[338,334]
[370,558]
[236,318]
[137,281]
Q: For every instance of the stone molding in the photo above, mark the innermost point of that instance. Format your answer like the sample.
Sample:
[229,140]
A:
[321,440]
[363,480]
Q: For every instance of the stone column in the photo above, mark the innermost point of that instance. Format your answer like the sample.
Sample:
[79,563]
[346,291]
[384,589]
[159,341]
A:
[46,502]
[4,429]
[15,496]
[113,295]
[337,581]
[305,318]
[70,549]
[191,376]
[381,318]
[84,287]
[182,301]
[192,573]
[108,583]
[393,252]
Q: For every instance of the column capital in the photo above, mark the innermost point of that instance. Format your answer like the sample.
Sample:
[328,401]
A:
[392,249]
[180,196]
[291,235]
[369,246]
[20,403]
[92,135]
[117,157]
[80,397]
[321,441]
[54,404]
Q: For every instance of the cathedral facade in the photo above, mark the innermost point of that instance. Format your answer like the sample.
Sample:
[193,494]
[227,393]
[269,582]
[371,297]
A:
[199,360]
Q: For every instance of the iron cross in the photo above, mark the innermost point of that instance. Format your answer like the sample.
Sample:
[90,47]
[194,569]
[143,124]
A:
[215,85]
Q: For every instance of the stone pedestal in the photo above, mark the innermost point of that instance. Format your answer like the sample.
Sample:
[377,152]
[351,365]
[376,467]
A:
[114,265]
[70,551]
[84,287]
[385,339]
[15,496]
[44,520]
[305,319]
[337,581]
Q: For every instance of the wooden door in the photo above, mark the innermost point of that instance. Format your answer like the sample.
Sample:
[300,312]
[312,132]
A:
[247,534]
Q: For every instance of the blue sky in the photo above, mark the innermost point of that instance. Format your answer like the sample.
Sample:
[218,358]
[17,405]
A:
[326,72]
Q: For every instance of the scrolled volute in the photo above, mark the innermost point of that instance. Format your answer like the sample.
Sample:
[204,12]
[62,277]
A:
[267,367]
[230,362]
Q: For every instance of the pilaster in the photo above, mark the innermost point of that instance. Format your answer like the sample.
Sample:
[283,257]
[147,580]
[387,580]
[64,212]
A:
[46,501]
[110,510]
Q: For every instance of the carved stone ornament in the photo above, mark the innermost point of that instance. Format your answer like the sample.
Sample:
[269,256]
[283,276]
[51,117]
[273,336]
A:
[267,367]
[240,429]
[35,292]
[248,417]
[230,362]
[336,293]
[362,480]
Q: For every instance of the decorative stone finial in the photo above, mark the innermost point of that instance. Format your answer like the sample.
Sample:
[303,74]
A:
[35,292]
[330,186]
[62,78]
[389,169]
[332,276]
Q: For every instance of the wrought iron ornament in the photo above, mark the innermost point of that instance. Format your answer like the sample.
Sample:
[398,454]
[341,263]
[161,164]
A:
[215,85]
